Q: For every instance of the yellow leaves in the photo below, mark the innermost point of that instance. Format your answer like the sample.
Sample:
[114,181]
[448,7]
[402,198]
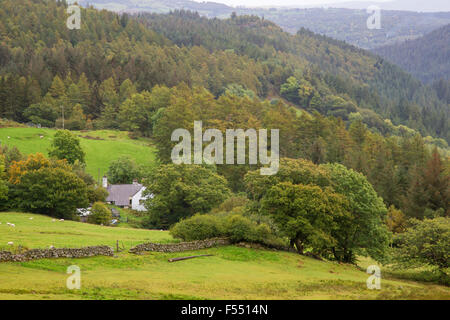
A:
[32,163]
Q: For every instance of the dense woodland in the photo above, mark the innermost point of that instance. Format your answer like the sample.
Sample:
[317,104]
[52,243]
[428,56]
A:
[427,58]
[348,25]
[44,65]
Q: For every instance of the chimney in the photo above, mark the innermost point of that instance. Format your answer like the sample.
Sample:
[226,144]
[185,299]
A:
[105,182]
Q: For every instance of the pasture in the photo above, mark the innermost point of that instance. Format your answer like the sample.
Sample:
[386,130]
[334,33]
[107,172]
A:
[231,273]
[101,147]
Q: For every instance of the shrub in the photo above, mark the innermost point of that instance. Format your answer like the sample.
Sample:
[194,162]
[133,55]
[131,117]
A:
[198,227]
[97,194]
[236,227]
[233,204]
[425,243]
[396,220]
[239,228]
[100,214]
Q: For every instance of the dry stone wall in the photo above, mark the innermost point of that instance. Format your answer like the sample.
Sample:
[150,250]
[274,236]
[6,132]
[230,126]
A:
[35,254]
[179,247]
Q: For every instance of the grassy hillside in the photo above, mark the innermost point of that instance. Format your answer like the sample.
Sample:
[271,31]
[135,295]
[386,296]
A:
[101,147]
[42,232]
[232,273]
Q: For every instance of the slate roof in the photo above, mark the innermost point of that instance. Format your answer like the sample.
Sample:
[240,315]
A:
[120,194]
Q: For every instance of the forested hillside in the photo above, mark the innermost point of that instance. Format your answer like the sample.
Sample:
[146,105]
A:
[427,58]
[94,70]
[348,25]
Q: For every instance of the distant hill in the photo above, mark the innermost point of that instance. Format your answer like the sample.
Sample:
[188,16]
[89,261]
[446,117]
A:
[427,58]
[343,24]
[409,5]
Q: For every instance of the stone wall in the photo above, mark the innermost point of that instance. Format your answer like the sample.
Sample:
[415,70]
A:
[35,254]
[179,247]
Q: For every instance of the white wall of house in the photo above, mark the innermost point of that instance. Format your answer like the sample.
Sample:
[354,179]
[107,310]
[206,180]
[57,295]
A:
[137,202]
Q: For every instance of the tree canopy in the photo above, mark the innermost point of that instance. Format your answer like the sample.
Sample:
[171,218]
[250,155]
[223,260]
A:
[180,191]
[66,145]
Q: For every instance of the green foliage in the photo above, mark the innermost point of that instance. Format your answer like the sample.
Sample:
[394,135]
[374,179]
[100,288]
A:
[234,226]
[424,243]
[10,154]
[100,214]
[364,231]
[123,171]
[396,220]
[429,189]
[66,145]
[290,90]
[53,191]
[235,204]
[242,55]
[97,194]
[329,208]
[306,214]
[239,91]
[180,191]
[414,56]
[291,170]
[48,186]
[76,121]
[44,113]
[138,111]
[198,227]
[240,228]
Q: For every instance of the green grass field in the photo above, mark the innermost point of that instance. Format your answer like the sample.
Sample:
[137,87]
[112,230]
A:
[101,147]
[232,273]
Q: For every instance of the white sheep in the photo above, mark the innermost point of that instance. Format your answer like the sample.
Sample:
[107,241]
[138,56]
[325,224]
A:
[31,218]
[52,247]
[10,243]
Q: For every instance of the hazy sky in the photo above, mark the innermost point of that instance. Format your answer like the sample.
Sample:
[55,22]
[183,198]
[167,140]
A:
[278,3]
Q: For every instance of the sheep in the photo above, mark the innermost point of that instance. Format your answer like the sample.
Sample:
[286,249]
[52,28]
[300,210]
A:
[31,218]
[51,247]
[10,243]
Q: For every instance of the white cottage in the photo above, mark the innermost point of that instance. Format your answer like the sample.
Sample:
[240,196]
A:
[126,195]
